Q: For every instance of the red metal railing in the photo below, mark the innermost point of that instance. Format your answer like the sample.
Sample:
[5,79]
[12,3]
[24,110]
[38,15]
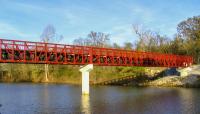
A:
[15,51]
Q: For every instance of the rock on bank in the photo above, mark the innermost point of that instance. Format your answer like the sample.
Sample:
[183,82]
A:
[192,79]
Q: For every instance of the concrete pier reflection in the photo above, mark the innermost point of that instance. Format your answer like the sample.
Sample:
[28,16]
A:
[85,104]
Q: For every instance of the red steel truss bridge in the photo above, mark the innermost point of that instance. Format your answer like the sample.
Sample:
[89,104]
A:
[16,51]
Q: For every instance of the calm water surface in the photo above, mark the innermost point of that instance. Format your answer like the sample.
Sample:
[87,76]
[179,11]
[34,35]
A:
[67,99]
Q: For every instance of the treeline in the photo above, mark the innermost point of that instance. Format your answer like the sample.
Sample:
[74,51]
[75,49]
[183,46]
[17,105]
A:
[185,42]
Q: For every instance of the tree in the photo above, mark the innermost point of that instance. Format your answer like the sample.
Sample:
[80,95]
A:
[141,43]
[97,39]
[49,35]
[128,46]
[79,41]
[176,45]
[189,30]
[115,45]
[150,41]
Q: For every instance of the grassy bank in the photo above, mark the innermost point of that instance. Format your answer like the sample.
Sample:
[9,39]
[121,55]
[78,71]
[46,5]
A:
[61,73]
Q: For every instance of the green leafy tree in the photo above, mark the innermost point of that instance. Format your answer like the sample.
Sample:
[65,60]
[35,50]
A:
[115,45]
[128,46]
[189,30]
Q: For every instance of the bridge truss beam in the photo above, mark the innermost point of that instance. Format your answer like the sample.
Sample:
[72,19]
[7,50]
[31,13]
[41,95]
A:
[15,51]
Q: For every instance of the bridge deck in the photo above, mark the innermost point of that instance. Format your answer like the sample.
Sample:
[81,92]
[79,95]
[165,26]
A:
[15,51]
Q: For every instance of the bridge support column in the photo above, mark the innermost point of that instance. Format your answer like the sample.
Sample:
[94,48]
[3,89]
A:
[85,78]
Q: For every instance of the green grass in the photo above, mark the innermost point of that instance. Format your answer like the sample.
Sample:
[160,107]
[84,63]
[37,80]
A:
[61,73]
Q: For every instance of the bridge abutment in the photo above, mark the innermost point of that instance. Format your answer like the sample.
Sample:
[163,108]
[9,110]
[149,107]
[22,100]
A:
[85,78]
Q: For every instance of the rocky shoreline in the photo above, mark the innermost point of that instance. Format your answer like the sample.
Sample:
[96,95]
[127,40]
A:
[190,77]
[175,81]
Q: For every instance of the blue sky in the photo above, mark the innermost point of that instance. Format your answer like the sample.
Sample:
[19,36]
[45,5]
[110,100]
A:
[26,19]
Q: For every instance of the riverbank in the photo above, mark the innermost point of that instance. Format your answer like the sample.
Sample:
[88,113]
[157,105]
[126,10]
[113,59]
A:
[190,78]
[35,73]
[169,81]
[31,73]
[175,81]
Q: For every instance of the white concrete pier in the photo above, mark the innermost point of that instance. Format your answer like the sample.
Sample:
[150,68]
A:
[85,78]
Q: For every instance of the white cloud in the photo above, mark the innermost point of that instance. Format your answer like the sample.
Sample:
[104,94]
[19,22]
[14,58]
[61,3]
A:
[154,20]
[122,34]
[71,15]
[25,7]
[7,30]
[143,14]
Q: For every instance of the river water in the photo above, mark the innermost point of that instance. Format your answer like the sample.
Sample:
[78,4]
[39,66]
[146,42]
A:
[26,98]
